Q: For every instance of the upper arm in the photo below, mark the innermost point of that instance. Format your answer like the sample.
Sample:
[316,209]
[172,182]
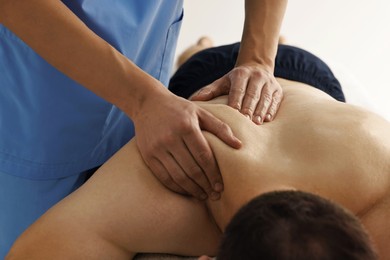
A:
[121,210]
[3,4]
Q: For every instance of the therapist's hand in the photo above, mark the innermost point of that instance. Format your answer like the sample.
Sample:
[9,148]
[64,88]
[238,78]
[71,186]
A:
[169,137]
[252,90]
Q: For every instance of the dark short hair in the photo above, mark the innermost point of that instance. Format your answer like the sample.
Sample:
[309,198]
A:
[294,225]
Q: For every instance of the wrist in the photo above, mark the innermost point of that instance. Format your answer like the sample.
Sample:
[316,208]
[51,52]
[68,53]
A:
[143,96]
[256,63]
[252,54]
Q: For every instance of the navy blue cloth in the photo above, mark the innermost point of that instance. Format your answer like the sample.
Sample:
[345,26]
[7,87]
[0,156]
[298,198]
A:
[291,63]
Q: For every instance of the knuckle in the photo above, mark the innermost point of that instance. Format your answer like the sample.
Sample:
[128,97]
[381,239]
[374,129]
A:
[166,179]
[184,123]
[159,141]
[247,110]
[267,98]
[252,94]
[152,163]
[168,139]
[236,105]
[272,109]
[185,127]
[222,127]
[155,167]
[148,155]
[204,157]
[258,74]
[275,107]
[240,72]
[278,96]
[180,178]
[148,147]
[196,172]
[237,90]
[194,168]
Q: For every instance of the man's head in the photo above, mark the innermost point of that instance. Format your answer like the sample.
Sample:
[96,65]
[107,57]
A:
[294,225]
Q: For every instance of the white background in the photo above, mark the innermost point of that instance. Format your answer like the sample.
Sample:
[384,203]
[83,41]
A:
[352,34]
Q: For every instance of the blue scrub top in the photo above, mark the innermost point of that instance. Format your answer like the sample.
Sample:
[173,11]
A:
[52,127]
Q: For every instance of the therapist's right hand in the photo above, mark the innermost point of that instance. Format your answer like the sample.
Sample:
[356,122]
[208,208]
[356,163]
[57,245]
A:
[169,138]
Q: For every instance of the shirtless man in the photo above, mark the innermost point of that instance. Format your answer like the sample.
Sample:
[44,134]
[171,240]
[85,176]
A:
[316,145]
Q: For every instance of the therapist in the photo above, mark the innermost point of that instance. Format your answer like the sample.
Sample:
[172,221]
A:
[74,72]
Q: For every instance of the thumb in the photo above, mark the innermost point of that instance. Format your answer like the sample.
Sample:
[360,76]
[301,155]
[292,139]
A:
[215,89]
[213,125]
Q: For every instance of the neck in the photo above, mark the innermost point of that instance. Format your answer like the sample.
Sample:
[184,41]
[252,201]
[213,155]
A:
[232,200]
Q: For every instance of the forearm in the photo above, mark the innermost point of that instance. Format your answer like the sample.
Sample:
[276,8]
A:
[263,19]
[64,41]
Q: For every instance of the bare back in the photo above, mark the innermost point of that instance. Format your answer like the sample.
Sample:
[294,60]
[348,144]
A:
[315,144]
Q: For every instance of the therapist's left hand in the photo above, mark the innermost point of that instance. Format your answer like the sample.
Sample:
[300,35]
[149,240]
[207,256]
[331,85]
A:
[252,89]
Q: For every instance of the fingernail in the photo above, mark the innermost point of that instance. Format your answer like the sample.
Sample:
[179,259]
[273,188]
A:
[247,116]
[218,187]
[258,120]
[269,117]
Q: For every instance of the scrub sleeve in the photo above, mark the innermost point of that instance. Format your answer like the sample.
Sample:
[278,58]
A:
[53,130]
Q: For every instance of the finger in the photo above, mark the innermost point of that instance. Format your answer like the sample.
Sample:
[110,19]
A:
[276,100]
[209,177]
[217,88]
[238,82]
[252,97]
[210,123]
[189,164]
[263,105]
[180,177]
[215,126]
[161,173]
